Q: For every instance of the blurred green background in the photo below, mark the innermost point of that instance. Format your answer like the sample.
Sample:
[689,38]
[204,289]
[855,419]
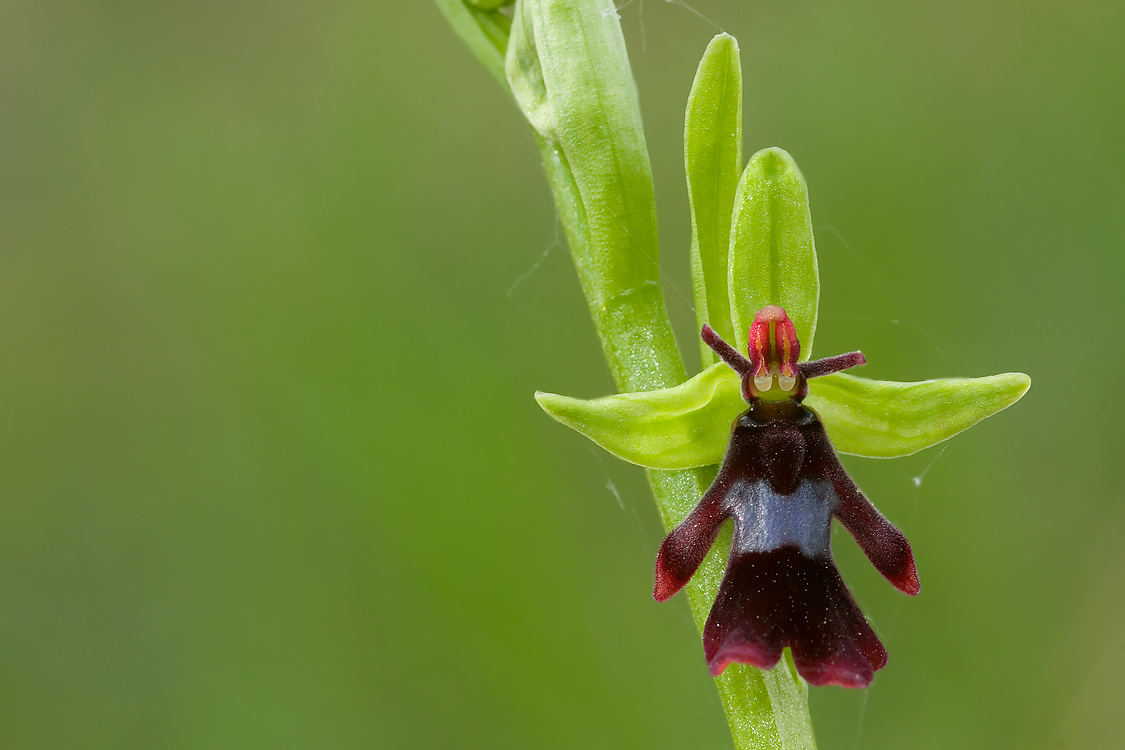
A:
[277,282]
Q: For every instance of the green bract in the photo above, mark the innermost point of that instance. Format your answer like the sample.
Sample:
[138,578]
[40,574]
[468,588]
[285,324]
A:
[569,73]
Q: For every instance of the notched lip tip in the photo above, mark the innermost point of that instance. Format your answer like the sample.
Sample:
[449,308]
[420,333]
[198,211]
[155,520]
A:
[856,682]
[725,654]
[822,677]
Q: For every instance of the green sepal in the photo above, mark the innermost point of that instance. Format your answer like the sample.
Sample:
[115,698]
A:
[674,428]
[886,419]
[489,4]
[713,163]
[689,425]
[772,256]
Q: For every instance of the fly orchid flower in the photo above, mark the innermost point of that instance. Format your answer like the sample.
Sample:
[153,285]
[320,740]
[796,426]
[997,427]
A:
[566,67]
[782,483]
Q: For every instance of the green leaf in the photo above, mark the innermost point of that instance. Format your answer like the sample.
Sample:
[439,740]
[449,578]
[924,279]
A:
[772,257]
[484,32]
[570,75]
[713,161]
[884,419]
[689,425]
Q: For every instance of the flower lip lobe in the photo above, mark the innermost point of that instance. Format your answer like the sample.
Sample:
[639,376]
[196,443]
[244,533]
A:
[782,483]
[769,600]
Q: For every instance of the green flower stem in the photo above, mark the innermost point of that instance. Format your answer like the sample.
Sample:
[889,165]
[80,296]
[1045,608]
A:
[568,70]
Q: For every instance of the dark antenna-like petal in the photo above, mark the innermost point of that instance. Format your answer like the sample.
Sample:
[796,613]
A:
[726,352]
[829,365]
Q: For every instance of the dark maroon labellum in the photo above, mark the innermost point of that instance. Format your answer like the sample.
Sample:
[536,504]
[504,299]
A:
[781,483]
